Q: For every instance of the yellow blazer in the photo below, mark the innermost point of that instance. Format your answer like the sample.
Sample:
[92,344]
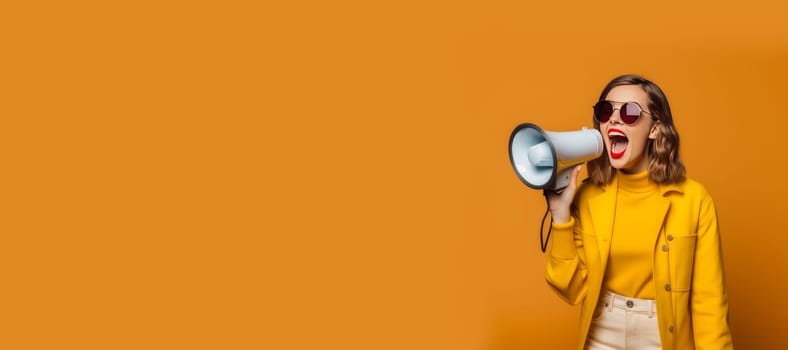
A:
[692,303]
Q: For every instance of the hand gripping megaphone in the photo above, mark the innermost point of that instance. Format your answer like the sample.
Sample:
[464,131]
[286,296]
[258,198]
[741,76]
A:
[544,159]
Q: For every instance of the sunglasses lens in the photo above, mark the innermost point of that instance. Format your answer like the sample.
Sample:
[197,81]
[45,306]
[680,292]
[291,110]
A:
[603,110]
[630,112]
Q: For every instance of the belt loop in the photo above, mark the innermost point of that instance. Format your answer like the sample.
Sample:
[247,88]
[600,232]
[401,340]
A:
[651,306]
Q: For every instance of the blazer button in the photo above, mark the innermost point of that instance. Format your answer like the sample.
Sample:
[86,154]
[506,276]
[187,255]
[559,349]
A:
[667,287]
[664,247]
[670,328]
[670,237]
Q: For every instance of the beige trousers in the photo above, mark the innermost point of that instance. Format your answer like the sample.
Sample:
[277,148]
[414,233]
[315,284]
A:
[623,323]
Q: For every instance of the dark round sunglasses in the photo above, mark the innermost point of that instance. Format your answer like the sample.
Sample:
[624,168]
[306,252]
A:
[629,111]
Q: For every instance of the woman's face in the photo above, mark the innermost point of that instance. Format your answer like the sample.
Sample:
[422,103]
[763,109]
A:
[627,144]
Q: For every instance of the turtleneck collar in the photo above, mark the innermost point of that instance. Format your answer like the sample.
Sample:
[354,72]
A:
[635,182]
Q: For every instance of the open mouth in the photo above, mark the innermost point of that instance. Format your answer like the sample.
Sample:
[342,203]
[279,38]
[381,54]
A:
[618,143]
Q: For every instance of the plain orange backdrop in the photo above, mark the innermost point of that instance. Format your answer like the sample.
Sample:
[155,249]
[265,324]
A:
[334,175]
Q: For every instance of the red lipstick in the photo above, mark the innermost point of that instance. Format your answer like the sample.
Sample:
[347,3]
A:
[618,142]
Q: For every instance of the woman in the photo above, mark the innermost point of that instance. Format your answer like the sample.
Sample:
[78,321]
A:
[638,243]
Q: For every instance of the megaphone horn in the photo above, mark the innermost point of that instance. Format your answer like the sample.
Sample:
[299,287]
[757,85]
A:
[544,159]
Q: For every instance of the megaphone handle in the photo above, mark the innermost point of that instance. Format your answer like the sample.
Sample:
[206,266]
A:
[562,179]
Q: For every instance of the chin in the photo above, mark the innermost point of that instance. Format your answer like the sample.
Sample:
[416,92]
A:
[618,164]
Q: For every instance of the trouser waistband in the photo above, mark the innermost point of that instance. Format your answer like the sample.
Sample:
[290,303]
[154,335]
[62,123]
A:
[612,300]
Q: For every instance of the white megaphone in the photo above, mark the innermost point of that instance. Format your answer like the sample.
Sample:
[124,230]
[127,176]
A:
[544,160]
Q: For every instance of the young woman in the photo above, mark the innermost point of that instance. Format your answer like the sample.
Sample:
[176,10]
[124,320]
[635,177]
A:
[638,243]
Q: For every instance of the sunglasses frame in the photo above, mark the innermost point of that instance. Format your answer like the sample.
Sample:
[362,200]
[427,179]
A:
[623,118]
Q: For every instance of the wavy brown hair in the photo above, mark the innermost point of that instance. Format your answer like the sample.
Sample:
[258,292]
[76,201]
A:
[664,166]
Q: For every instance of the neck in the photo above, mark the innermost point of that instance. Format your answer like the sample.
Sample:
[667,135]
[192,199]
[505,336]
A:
[639,182]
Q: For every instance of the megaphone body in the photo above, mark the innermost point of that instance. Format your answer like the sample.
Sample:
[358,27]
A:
[544,159]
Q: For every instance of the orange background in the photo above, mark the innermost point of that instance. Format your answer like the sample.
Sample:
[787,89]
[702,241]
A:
[335,174]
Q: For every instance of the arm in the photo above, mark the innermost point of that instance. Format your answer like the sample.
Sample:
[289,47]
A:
[709,296]
[566,271]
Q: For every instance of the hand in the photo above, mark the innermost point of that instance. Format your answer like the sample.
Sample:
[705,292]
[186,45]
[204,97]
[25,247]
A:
[559,203]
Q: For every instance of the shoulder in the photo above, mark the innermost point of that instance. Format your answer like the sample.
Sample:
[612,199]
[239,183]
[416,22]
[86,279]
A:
[690,196]
[689,188]
[589,189]
[694,186]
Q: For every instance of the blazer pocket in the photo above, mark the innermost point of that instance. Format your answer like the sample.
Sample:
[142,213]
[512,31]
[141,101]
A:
[682,247]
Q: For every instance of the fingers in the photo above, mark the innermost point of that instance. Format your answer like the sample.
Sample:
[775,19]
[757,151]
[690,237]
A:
[575,174]
[559,204]
[572,186]
[561,214]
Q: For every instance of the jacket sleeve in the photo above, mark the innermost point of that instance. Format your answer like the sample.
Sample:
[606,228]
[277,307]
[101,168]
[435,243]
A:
[709,296]
[566,269]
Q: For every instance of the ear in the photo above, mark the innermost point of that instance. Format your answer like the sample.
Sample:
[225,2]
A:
[652,135]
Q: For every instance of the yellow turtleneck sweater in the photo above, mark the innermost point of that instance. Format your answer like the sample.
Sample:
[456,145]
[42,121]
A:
[629,267]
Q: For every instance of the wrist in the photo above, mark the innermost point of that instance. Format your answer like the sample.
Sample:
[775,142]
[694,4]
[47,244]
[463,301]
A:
[560,217]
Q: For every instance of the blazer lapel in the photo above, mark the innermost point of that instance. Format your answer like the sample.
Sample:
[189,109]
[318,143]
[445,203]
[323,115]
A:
[603,209]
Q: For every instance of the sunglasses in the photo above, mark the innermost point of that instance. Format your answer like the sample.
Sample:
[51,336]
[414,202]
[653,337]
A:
[629,111]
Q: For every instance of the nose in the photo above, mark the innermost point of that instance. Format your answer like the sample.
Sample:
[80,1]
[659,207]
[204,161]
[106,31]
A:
[615,118]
